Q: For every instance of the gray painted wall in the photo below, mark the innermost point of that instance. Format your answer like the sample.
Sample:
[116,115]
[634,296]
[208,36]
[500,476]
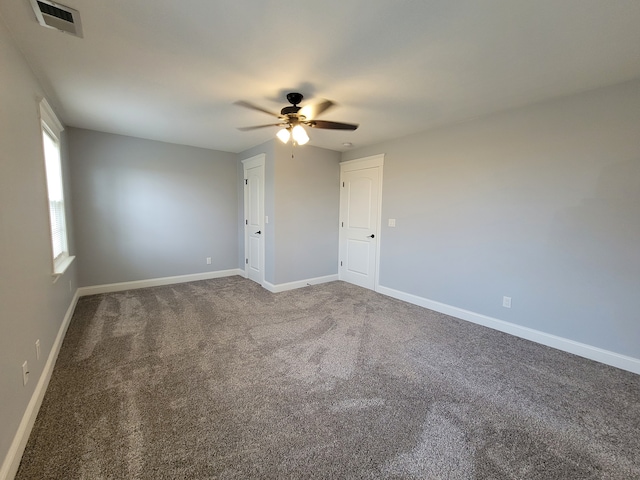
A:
[31,306]
[268,148]
[302,201]
[541,204]
[307,204]
[147,209]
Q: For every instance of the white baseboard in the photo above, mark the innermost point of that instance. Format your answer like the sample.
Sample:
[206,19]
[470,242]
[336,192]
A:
[283,287]
[155,282]
[583,350]
[12,460]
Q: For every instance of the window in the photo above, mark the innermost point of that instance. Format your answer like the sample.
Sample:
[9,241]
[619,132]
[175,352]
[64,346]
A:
[51,130]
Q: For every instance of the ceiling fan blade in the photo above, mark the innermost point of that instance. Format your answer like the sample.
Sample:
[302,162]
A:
[332,125]
[242,103]
[314,110]
[247,129]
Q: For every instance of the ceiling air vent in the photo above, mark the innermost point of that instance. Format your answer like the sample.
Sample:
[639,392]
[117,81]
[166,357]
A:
[54,15]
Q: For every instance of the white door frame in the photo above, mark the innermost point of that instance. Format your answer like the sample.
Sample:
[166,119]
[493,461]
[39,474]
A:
[252,162]
[360,164]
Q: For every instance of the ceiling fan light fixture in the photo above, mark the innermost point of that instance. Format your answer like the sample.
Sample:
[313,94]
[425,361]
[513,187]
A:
[283,135]
[299,135]
[293,117]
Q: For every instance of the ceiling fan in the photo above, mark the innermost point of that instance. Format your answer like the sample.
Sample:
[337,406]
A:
[293,117]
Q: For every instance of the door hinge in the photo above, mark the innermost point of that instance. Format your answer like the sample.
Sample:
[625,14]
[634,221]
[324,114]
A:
[340,262]
[342,184]
[342,223]
[246,260]
[246,181]
[246,222]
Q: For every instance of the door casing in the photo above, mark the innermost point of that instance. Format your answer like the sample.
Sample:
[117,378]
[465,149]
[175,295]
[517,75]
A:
[256,162]
[374,161]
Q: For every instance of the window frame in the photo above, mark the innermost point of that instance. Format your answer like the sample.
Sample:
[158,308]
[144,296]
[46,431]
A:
[52,127]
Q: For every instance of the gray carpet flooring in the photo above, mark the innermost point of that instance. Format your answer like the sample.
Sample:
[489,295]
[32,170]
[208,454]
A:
[222,379]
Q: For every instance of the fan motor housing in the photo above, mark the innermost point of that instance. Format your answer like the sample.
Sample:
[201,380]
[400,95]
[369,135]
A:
[290,110]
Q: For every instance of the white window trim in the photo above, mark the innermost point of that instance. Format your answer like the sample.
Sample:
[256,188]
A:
[49,118]
[49,121]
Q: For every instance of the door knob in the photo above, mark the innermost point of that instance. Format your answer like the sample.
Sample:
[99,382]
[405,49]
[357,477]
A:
[372,236]
[258,232]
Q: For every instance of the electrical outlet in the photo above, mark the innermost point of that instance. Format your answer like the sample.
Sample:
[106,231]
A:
[38,349]
[208,260]
[506,302]
[25,373]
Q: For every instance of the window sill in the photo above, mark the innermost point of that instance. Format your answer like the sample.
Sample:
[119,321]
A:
[60,267]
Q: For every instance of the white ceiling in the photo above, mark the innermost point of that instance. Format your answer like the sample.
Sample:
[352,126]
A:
[171,70]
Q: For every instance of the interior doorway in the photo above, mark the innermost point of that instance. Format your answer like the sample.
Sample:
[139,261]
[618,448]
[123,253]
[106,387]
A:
[360,210]
[254,233]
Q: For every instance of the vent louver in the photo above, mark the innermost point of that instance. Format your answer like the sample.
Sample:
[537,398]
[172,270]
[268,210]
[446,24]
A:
[60,17]
[55,12]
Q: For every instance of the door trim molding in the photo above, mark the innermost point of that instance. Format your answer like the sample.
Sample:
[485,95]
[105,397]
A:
[365,162]
[255,161]
[372,161]
[248,163]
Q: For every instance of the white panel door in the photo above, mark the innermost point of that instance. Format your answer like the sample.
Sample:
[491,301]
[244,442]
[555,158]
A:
[254,221]
[359,219]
